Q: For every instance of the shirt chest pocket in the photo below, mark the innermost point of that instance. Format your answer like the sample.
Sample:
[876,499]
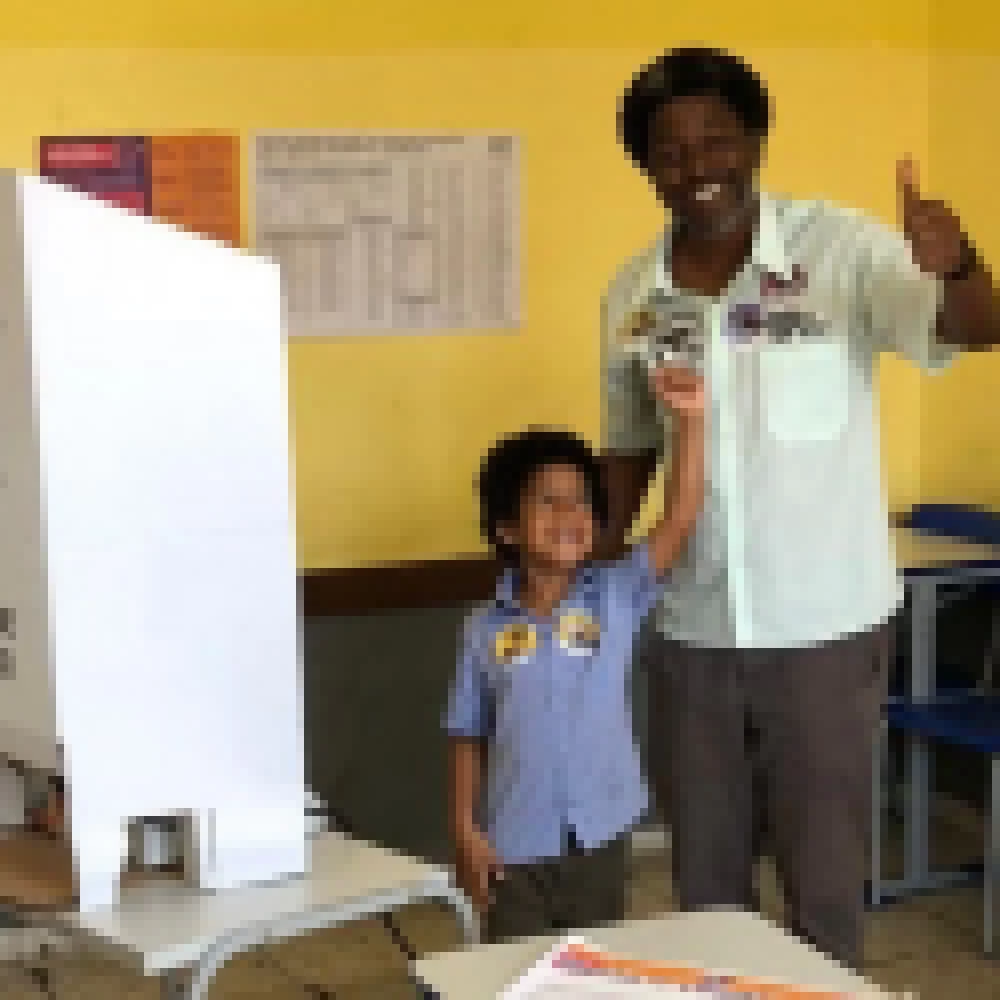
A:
[805,390]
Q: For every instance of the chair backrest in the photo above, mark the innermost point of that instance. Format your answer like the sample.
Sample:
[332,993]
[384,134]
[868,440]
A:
[973,524]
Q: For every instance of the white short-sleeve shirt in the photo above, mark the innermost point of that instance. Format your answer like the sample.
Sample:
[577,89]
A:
[793,545]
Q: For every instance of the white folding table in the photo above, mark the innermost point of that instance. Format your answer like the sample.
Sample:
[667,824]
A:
[183,936]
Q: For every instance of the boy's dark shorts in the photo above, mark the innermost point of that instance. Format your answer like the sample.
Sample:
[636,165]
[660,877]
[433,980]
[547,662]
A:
[580,889]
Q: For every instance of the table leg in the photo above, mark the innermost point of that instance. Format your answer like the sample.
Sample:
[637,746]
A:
[466,914]
[40,973]
[175,984]
[194,984]
[923,621]
[879,777]
[991,862]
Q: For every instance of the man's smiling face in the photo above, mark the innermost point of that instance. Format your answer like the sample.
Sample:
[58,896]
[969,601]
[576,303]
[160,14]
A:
[702,162]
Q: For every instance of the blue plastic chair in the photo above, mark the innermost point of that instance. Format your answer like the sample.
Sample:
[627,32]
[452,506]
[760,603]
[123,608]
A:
[961,718]
[973,524]
[971,721]
[965,523]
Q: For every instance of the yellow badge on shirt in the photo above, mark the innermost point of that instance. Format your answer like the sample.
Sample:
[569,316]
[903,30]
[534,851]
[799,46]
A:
[515,643]
[579,633]
[639,324]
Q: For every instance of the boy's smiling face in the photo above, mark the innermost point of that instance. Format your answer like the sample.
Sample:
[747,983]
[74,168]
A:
[556,527]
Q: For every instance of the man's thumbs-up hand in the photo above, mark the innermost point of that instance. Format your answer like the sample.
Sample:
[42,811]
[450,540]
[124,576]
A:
[933,230]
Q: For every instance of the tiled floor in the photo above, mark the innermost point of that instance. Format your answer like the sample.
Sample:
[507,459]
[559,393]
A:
[930,945]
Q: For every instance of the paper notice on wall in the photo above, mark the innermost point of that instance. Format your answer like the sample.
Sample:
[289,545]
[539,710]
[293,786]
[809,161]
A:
[190,181]
[112,168]
[194,184]
[391,232]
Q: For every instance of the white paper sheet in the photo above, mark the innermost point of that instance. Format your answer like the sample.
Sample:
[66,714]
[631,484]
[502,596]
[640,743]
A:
[579,970]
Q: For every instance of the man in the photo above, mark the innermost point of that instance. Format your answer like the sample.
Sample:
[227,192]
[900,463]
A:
[771,661]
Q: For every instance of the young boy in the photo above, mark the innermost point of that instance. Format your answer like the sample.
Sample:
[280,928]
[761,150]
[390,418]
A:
[541,697]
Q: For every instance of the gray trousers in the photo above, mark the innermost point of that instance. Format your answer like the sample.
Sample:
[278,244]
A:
[738,738]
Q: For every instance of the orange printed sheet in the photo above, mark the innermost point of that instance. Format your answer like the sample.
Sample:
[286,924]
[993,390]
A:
[194,184]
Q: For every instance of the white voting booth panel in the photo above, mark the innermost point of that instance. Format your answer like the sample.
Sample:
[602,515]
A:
[147,555]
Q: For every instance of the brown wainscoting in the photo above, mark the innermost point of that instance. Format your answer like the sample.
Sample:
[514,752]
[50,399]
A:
[392,586]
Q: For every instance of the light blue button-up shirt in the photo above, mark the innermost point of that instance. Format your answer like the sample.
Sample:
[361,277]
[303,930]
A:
[558,720]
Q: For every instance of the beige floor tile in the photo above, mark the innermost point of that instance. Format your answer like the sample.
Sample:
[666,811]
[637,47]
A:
[430,928]
[74,980]
[398,990]
[942,975]
[651,890]
[256,980]
[355,953]
[14,986]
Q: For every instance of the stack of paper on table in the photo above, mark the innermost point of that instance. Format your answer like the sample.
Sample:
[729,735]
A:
[577,969]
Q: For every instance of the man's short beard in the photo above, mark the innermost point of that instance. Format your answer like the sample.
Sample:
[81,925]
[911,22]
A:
[725,227]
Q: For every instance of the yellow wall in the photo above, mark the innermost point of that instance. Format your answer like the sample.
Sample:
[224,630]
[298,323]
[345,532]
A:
[959,454]
[389,430]
[351,26]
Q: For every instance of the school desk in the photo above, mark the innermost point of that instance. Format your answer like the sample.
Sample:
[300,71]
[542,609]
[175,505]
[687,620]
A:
[728,941]
[929,563]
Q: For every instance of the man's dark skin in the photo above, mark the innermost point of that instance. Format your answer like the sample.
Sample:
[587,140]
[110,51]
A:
[695,141]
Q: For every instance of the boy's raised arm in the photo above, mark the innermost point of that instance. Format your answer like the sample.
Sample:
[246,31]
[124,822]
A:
[627,478]
[682,390]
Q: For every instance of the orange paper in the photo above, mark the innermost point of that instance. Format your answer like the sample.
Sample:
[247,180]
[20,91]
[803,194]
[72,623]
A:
[194,184]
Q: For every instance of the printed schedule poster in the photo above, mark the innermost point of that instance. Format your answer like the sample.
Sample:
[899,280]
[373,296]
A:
[391,232]
[189,181]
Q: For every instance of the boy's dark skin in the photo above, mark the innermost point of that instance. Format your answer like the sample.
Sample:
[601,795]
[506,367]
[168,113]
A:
[695,141]
[555,534]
